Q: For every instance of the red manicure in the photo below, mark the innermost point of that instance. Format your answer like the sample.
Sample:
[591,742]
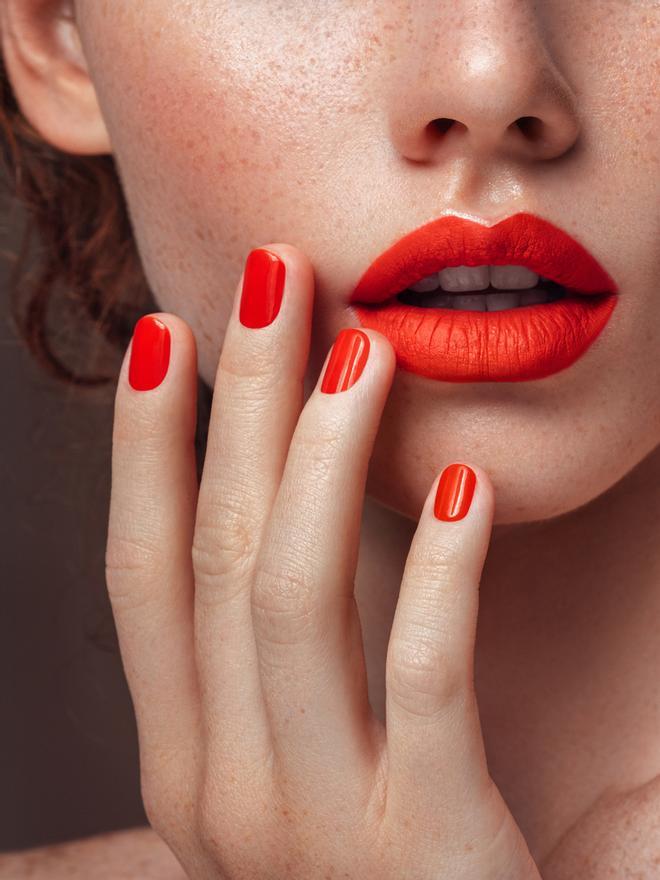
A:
[455,491]
[150,353]
[347,359]
[263,285]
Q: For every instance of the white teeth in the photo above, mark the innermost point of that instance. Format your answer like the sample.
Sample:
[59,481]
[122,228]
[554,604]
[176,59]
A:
[497,302]
[463,278]
[429,283]
[493,301]
[471,302]
[505,287]
[512,277]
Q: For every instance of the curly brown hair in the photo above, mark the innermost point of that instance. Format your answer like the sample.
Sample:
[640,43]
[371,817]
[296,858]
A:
[76,245]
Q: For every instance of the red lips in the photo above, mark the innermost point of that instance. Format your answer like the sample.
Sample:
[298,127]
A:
[511,345]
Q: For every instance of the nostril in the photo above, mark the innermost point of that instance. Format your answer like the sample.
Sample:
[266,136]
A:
[530,126]
[442,125]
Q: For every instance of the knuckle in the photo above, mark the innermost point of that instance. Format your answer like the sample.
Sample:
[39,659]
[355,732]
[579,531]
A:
[154,808]
[159,805]
[224,544]
[321,445]
[422,679]
[223,819]
[165,788]
[245,375]
[284,605]
[130,567]
[220,552]
[137,429]
[431,564]
[208,826]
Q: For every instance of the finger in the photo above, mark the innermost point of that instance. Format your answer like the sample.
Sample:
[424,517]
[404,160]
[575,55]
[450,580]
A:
[257,398]
[305,616]
[436,763]
[152,505]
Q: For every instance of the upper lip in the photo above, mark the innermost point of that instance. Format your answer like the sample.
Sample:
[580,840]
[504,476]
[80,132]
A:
[521,239]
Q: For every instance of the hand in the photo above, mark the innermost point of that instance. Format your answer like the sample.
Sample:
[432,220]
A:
[240,635]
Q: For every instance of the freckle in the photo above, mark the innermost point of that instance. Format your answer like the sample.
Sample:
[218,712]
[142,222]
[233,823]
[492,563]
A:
[302,711]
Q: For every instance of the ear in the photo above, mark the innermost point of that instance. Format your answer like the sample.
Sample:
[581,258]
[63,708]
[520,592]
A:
[48,72]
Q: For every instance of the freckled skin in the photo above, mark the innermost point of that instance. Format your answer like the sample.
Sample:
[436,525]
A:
[239,123]
[234,124]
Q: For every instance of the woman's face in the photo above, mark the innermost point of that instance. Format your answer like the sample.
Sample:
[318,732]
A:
[239,123]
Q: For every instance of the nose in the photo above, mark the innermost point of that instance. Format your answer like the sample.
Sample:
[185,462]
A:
[477,78]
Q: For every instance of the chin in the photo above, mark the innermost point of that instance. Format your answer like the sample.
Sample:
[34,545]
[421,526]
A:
[520,497]
[541,466]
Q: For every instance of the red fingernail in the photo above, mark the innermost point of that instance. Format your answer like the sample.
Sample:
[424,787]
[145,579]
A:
[455,491]
[263,285]
[150,353]
[347,359]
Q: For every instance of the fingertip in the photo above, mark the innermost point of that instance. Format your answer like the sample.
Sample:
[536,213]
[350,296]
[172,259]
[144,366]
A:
[461,490]
[161,344]
[297,262]
[290,285]
[382,348]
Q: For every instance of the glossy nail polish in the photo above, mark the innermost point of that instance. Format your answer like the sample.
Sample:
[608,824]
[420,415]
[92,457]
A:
[150,353]
[347,360]
[454,493]
[263,286]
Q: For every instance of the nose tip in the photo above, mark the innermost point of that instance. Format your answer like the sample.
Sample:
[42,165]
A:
[501,95]
[541,137]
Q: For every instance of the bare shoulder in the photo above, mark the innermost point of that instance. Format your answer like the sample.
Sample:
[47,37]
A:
[618,837]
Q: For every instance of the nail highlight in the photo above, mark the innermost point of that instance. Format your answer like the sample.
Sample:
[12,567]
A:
[263,286]
[347,360]
[150,353]
[455,491]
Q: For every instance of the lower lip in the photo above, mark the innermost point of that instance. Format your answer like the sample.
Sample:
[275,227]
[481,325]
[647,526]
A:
[513,345]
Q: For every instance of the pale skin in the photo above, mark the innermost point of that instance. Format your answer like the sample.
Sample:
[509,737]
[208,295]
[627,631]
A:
[565,611]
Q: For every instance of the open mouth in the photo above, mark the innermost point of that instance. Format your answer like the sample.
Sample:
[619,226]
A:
[482,289]
[461,301]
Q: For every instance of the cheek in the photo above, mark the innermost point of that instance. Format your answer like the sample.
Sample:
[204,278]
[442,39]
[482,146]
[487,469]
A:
[218,151]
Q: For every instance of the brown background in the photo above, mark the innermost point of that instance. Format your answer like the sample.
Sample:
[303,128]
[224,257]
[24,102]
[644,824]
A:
[68,748]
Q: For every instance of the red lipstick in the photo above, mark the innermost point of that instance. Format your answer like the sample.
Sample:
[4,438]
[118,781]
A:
[517,344]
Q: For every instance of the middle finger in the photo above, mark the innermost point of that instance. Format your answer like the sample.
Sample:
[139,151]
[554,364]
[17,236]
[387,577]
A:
[257,398]
[304,613]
